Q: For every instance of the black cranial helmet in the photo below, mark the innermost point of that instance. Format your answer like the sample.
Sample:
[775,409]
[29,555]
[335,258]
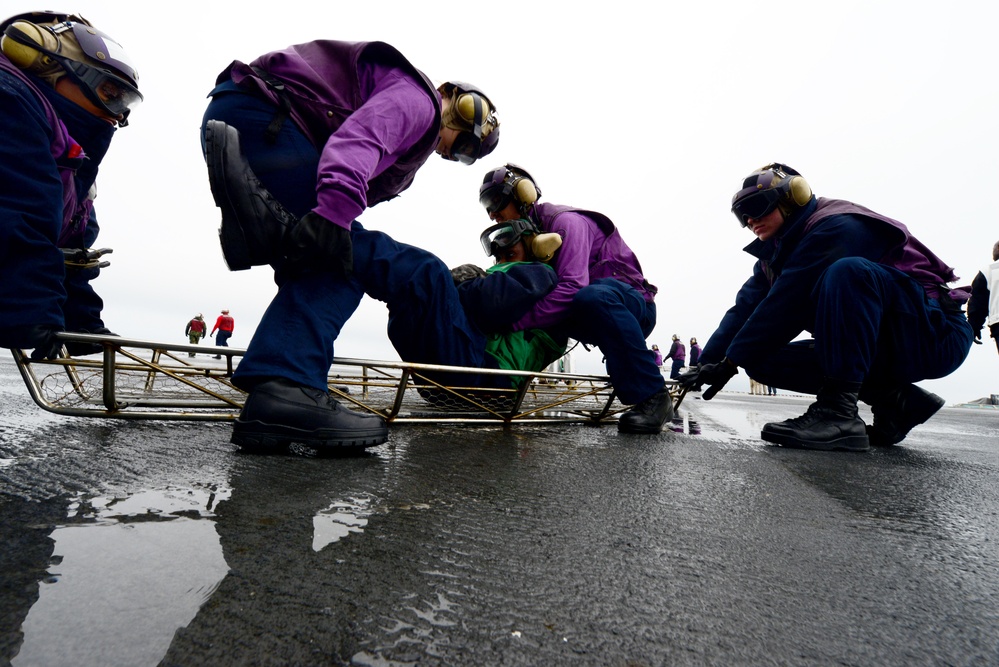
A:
[773,186]
[509,183]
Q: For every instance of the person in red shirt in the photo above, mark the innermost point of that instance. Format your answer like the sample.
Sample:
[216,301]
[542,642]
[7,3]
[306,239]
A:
[224,325]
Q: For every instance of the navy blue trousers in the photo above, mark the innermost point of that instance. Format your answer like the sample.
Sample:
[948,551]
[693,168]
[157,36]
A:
[617,319]
[873,325]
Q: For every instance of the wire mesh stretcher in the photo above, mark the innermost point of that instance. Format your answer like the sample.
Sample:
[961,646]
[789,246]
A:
[136,379]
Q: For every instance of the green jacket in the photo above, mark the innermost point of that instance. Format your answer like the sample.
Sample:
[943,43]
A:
[530,349]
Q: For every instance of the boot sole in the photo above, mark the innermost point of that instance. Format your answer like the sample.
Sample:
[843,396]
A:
[850,443]
[260,437]
[235,249]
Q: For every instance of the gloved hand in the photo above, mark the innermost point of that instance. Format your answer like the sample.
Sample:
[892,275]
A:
[79,349]
[44,341]
[316,243]
[978,339]
[466,272]
[713,375]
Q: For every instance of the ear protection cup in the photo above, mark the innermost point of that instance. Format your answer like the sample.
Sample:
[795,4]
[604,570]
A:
[17,41]
[794,187]
[469,107]
[522,186]
[798,190]
[543,246]
[524,191]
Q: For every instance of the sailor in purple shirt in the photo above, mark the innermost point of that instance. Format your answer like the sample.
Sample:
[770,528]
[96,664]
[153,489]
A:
[602,297]
[873,297]
[298,143]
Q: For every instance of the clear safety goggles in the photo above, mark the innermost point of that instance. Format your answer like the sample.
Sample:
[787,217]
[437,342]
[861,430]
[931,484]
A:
[505,234]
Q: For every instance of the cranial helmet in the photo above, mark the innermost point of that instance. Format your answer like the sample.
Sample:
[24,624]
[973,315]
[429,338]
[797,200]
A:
[474,117]
[773,186]
[51,45]
[509,183]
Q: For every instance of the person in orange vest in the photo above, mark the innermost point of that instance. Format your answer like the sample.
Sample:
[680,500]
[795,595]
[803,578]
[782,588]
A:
[224,325]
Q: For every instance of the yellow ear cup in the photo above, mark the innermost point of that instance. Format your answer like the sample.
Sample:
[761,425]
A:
[26,57]
[525,191]
[543,246]
[465,105]
[799,190]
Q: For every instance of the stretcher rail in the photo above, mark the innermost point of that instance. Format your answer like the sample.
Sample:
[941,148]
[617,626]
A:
[140,379]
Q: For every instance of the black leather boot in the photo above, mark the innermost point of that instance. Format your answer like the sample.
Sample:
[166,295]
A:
[253,221]
[279,412]
[831,422]
[898,411]
[649,415]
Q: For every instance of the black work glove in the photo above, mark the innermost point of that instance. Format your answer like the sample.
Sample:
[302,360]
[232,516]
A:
[44,341]
[466,272]
[81,349]
[316,243]
[713,375]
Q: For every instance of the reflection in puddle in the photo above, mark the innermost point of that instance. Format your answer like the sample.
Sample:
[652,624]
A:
[340,520]
[684,423]
[124,576]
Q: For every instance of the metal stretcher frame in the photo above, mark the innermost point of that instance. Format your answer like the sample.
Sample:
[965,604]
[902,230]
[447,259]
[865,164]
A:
[138,379]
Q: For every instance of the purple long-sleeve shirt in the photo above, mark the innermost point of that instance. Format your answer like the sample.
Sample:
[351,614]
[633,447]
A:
[384,128]
[373,116]
[592,248]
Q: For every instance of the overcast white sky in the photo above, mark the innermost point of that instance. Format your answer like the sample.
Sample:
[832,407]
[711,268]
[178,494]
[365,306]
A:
[649,112]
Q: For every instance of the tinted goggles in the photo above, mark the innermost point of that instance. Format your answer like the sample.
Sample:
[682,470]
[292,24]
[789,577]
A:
[108,91]
[505,234]
[466,148]
[756,205]
[496,198]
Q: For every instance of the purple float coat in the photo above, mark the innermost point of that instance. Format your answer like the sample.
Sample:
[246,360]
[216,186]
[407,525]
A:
[373,116]
[592,248]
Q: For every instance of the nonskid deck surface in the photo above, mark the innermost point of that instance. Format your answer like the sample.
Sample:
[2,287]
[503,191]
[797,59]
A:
[136,379]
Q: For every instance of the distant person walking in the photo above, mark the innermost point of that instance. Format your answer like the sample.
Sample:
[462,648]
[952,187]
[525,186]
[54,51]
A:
[224,325]
[196,330]
[659,357]
[695,353]
[678,353]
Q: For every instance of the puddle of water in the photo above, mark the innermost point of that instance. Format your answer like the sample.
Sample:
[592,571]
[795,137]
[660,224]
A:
[339,520]
[119,588]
